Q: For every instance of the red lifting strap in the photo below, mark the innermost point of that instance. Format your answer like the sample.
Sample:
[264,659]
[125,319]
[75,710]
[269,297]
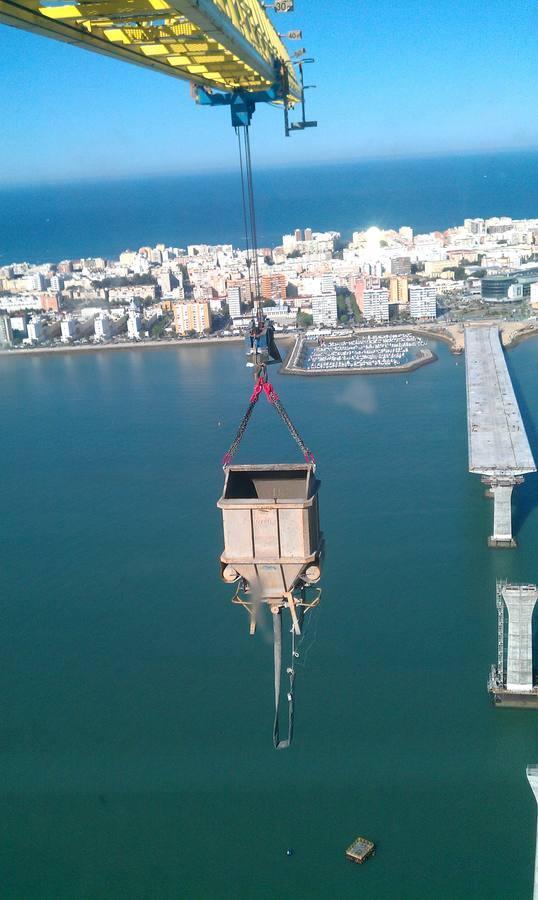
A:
[266,387]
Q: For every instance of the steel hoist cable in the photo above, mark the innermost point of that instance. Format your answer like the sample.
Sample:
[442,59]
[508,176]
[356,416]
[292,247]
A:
[244,206]
[249,213]
[252,211]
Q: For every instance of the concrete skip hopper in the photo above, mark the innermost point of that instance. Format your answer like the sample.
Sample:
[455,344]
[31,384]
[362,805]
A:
[272,538]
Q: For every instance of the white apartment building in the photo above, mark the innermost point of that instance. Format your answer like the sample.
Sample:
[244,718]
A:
[327,284]
[103,327]
[35,282]
[20,301]
[422,302]
[69,329]
[123,294]
[376,305]
[35,330]
[324,309]
[6,334]
[134,322]
[233,296]
[57,283]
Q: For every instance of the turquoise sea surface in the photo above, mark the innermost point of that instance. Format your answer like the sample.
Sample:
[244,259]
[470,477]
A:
[136,751]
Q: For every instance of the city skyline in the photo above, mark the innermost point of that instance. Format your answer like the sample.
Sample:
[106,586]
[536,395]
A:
[376,96]
[311,279]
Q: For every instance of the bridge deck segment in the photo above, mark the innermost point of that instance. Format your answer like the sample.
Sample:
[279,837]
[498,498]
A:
[498,443]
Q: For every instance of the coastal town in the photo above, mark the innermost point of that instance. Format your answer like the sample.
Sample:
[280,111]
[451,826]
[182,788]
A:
[313,282]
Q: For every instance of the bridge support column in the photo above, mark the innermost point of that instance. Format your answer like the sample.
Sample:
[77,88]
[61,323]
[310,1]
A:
[501,492]
[520,600]
[532,775]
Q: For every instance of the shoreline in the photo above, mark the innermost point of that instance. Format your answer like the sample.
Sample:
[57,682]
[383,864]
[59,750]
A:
[124,345]
[512,334]
[511,337]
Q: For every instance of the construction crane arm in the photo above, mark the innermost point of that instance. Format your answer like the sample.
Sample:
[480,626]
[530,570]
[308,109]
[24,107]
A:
[221,44]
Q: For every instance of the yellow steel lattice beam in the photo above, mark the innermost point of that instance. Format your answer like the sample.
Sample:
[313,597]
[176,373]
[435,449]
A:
[225,44]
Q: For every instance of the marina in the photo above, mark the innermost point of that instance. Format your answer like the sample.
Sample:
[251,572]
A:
[374,352]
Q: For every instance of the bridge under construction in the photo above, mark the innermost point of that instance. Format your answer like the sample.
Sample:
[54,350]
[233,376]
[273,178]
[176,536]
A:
[499,450]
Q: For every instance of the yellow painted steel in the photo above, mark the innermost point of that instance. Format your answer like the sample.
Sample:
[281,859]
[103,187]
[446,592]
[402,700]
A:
[224,44]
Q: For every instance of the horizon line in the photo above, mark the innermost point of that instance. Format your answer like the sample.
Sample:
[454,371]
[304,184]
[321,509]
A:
[264,166]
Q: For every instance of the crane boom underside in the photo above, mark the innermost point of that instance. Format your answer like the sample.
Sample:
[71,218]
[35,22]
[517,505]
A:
[222,44]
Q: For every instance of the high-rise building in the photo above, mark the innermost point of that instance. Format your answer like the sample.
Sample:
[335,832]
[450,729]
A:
[325,310]
[273,287]
[289,243]
[57,283]
[244,288]
[398,289]
[233,296]
[167,282]
[192,316]
[134,322]
[36,282]
[6,333]
[422,302]
[298,234]
[69,329]
[400,265]
[308,234]
[102,326]
[327,284]
[35,330]
[376,305]
[358,287]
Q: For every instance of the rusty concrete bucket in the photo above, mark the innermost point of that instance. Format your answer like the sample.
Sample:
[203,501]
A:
[272,538]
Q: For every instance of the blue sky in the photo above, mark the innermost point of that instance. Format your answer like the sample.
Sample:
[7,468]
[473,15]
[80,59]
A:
[392,78]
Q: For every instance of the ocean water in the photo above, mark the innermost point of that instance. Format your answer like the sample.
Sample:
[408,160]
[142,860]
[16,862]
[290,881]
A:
[49,223]
[136,751]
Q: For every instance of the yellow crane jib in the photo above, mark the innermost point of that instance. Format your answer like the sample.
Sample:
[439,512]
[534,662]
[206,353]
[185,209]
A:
[221,44]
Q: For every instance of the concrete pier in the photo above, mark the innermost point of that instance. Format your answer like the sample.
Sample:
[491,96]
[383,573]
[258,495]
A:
[520,600]
[499,450]
[532,776]
[501,493]
[511,681]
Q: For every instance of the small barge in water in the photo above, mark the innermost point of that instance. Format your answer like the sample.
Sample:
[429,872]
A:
[360,850]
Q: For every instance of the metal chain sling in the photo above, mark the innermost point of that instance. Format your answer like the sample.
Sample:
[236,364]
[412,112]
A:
[265,387]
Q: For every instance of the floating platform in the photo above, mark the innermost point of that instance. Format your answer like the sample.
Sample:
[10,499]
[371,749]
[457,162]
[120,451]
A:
[360,850]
